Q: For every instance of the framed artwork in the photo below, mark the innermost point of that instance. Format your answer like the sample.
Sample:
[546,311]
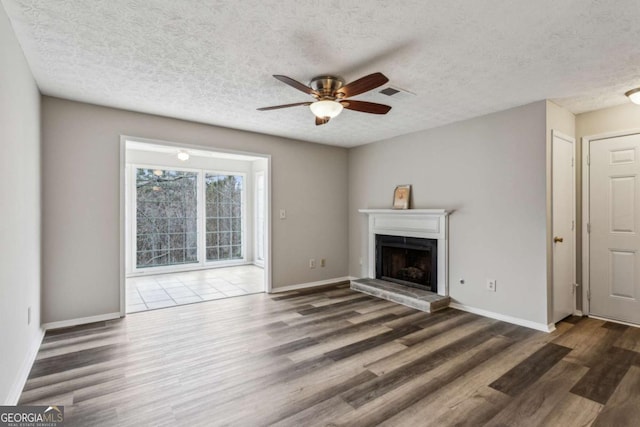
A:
[401,196]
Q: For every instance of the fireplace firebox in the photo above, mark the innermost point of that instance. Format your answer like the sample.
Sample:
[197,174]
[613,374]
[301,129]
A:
[409,261]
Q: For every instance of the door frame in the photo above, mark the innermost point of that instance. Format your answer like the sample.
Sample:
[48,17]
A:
[254,213]
[572,140]
[586,144]
[268,287]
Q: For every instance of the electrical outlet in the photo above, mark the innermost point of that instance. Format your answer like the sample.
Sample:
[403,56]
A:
[491,285]
[323,262]
[28,315]
[283,214]
[312,263]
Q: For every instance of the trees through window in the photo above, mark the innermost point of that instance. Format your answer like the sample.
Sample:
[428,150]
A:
[223,198]
[168,209]
[167,217]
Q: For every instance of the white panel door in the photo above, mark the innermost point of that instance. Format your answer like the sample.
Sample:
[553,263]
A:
[614,257]
[563,203]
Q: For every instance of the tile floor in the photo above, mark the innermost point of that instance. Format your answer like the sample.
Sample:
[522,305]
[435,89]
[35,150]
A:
[167,290]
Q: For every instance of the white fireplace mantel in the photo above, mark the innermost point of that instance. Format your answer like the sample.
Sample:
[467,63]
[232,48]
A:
[425,223]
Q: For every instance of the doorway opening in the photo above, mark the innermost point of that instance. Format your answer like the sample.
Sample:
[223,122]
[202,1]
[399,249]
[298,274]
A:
[194,224]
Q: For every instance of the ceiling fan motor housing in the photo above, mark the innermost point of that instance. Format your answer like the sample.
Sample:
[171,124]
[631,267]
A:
[327,86]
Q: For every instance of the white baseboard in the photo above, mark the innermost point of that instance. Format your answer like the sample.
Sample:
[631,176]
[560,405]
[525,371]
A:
[509,319]
[310,284]
[23,373]
[81,321]
[577,313]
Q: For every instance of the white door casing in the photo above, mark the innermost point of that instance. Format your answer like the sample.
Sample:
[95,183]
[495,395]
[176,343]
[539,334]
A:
[563,225]
[614,217]
[259,219]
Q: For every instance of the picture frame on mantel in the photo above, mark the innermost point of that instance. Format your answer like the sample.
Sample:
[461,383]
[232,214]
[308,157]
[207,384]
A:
[402,197]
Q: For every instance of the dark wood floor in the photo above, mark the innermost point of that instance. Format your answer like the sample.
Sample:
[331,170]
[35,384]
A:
[335,357]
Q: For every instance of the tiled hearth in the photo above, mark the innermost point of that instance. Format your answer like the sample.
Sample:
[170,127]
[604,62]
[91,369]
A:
[405,295]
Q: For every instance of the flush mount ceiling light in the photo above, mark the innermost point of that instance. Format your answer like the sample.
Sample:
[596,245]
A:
[183,155]
[634,95]
[326,108]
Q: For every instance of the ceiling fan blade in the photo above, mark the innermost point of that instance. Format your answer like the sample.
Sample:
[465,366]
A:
[362,85]
[322,120]
[275,107]
[295,84]
[365,107]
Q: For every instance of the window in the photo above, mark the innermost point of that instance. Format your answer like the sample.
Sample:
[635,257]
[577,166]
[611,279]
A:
[166,217]
[223,198]
[186,217]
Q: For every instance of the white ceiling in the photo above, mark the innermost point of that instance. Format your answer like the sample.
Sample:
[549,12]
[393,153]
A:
[212,61]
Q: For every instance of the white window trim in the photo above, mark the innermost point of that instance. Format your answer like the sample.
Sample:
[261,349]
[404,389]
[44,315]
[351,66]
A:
[202,263]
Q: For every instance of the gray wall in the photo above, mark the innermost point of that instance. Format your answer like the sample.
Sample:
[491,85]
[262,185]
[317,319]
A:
[492,171]
[81,231]
[20,224]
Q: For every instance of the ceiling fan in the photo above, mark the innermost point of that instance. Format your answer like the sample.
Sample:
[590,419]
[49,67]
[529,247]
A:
[331,95]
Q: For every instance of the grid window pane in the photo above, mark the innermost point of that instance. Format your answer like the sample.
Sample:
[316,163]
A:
[223,198]
[212,254]
[224,251]
[224,224]
[166,215]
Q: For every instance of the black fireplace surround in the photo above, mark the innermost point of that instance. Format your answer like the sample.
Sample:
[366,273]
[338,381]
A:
[409,261]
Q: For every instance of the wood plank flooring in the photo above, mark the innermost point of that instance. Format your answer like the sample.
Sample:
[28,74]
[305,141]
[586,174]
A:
[333,357]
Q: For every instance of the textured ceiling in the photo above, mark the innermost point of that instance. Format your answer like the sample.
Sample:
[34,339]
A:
[211,61]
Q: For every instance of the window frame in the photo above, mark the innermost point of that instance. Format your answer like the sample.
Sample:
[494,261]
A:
[243,224]
[201,221]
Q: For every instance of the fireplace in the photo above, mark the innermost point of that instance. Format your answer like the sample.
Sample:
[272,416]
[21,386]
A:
[409,261]
[423,230]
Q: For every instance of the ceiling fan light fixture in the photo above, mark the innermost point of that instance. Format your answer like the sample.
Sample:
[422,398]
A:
[634,95]
[326,108]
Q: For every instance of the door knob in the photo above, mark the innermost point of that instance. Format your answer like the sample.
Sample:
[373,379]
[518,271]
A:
[558,240]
